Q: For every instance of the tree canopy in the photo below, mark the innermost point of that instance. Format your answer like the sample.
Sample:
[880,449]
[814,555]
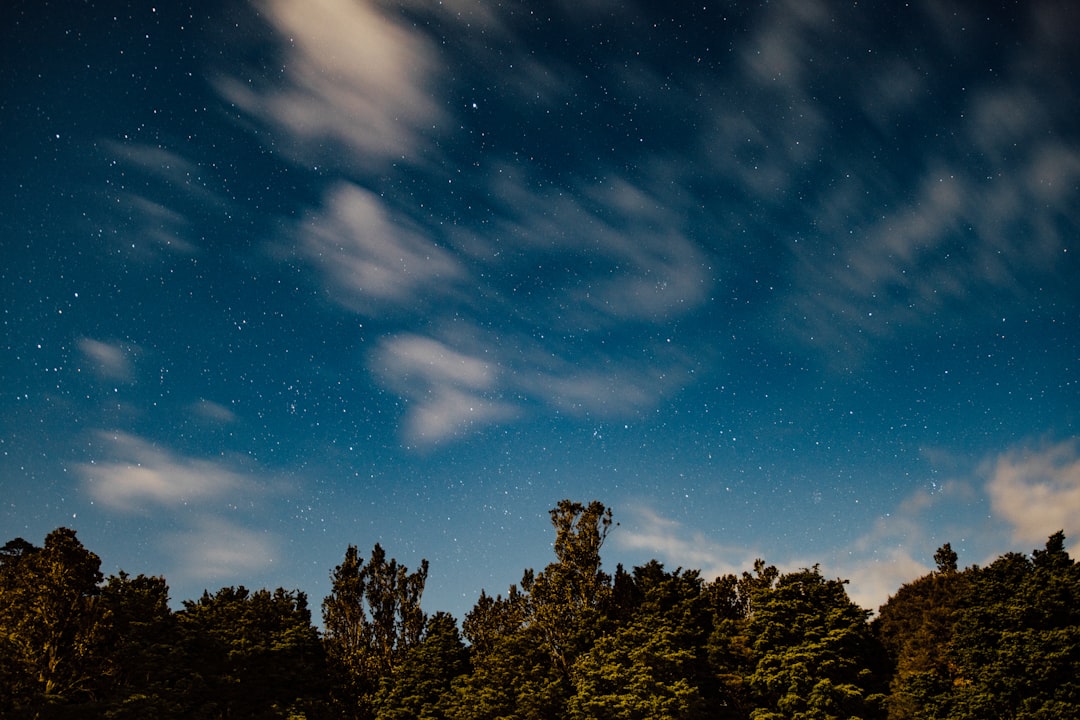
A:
[571,641]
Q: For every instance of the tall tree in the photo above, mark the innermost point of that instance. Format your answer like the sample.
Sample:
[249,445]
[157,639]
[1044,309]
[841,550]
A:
[142,675]
[1015,651]
[251,654]
[421,680]
[51,622]
[653,664]
[813,651]
[915,627]
[566,597]
[371,618]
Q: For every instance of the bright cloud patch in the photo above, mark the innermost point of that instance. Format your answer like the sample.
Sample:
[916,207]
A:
[668,541]
[217,548]
[143,476]
[109,360]
[450,391]
[371,259]
[1038,492]
[354,77]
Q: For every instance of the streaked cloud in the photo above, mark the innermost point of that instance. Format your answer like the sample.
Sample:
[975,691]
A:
[373,259]
[450,392]
[220,548]
[140,476]
[211,505]
[109,360]
[357,84]
[210,410]
[675,545]
[1037,491]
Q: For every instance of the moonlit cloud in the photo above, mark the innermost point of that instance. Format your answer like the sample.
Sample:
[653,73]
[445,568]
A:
[450,391]
[109,360]
[143,477]
[217,548]
[210,410]
[1037,491]
[673,544]
[371,259]
[211,506]
[357,83]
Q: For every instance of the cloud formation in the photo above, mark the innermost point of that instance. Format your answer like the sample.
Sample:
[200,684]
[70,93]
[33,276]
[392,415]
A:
[357,83]
[451,392]
[373,259]
[670,542]
[213,502]
[144,477]
[110,360]
[1037,491]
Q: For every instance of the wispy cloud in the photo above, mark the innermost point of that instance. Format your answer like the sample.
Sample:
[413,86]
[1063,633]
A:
[613,259]
[451,392]
[675,545]
[141,476]
[1037,491]
[210,410]
[1009,502]
[210,500]
[373,259]
[984,509]
[217,548]
[357,84]
[109,360]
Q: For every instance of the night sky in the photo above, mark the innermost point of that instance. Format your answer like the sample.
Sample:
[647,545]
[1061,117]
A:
[792,280]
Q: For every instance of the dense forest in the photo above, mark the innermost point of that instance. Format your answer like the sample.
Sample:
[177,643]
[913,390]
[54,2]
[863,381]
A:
[569,641]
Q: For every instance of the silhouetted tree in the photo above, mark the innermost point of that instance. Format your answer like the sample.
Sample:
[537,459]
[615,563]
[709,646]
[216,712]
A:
[371,618]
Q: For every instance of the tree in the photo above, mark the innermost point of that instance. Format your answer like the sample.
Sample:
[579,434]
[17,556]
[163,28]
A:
[417,687]
[1015,650]
[513,680]
[142,674]
[52,623]
[251,654]
[371,618]
[915,627]
[813,652]
[566,597]
[946,558]
[654,664]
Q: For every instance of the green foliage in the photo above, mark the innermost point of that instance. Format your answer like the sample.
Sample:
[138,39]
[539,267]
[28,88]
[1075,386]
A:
[141,673]
[53,624]
[1015,651]
[915,628]
[566,597]
[980,643]
[372,617]
[417,688]
[813,651]
[513,680]
[251,654]
[654,664]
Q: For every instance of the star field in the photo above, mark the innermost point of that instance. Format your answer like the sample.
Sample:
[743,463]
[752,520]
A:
[787,280]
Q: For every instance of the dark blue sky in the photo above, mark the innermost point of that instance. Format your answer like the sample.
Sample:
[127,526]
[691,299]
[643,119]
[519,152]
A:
[792,280]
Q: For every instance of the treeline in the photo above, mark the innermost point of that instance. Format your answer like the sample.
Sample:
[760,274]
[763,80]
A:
[569,641]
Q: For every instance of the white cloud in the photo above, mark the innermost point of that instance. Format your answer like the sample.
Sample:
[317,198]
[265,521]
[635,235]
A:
[145,477]
[450,391]
[110,360]
[209,410]
[1037,491]
[217,548]
[354,77]
[202,509]
[669,542]
[371,259]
